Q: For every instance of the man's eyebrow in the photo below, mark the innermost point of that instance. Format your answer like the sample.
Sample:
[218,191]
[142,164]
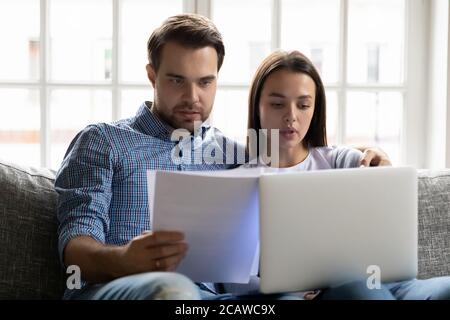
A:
[205,78]
[279,95]
[173,75]
[210,77]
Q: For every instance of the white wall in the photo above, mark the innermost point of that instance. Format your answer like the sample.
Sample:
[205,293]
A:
[437,142]
[447,161]
[414,137]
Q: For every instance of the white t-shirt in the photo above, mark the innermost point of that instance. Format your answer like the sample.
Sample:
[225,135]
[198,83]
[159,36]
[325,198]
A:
[320,158]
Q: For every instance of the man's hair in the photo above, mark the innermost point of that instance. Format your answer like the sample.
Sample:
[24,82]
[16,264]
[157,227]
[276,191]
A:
[189,30]
[296,62]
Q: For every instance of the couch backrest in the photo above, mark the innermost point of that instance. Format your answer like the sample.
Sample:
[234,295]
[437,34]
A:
[29,264]
[434,223]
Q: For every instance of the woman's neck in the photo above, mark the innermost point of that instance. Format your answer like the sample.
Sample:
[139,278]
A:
[292,156]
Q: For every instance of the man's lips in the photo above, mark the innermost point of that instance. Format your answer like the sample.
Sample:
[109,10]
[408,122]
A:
[189,114]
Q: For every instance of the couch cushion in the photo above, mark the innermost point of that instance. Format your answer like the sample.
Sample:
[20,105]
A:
[29,265]
[434,223]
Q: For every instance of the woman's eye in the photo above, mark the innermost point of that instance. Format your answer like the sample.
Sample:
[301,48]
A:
[304,106]
[276,105]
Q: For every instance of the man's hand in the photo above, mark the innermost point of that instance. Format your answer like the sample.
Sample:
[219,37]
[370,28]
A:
[374,157]
[153,251]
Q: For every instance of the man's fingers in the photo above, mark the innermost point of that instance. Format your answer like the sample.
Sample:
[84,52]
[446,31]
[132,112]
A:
[156,238]
[163,251]
[168,263]
[176,262]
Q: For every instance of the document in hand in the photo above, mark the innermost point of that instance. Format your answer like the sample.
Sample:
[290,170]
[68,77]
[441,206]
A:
[218,213]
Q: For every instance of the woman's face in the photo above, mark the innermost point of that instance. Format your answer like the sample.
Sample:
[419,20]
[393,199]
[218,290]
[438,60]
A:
[287,103]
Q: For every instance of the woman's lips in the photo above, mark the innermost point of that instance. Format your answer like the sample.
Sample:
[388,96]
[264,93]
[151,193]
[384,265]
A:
[288,133]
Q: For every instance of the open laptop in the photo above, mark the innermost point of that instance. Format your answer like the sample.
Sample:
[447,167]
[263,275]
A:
[323,228]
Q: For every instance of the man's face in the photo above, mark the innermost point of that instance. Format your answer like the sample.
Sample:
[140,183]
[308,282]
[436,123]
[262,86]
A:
[185,84]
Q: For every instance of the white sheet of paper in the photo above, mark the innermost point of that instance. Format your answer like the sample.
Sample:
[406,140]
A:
[218,212]
[255,266]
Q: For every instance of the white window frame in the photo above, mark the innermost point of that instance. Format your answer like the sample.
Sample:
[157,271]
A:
[413,138]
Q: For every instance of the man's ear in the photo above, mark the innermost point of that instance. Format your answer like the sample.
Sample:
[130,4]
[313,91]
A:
[151,74]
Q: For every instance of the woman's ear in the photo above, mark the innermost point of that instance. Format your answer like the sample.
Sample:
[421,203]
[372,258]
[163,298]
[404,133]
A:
[151,74]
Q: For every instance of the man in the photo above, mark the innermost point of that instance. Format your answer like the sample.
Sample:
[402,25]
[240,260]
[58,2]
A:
[103,206]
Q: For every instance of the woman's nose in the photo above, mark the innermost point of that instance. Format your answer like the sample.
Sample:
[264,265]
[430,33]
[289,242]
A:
[290,116]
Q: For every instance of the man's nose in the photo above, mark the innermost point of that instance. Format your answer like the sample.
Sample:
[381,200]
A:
[191,94]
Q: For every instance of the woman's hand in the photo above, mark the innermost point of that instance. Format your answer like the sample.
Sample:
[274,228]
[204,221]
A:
[374,157]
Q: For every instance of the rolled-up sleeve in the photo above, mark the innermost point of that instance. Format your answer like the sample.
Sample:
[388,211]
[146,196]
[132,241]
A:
[347,157]
[83,184]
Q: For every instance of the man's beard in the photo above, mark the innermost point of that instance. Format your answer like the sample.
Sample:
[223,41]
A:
[173,118]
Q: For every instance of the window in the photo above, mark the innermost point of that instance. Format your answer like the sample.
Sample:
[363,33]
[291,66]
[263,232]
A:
[356,45]
[245,48]
[73,62]
[67,64]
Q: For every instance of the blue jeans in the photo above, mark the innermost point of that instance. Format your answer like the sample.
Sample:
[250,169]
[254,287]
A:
[430,289]
[173,286]
[142,286]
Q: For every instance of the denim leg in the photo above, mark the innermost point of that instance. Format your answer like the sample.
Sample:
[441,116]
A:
[143,286]
[429,289]
[355,290]
[257,296]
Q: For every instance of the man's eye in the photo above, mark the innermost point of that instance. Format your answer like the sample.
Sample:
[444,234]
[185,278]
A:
[205,83]
[176,81]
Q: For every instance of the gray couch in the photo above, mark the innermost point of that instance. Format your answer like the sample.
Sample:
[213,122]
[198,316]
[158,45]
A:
[29,265]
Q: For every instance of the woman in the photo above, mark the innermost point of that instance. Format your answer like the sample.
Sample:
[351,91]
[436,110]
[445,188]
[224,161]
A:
[287,95]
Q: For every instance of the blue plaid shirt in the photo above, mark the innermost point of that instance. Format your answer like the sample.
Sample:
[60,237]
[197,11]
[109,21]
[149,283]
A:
[102,182]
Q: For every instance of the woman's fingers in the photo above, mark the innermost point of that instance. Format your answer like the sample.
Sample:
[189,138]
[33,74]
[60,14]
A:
[374,157]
